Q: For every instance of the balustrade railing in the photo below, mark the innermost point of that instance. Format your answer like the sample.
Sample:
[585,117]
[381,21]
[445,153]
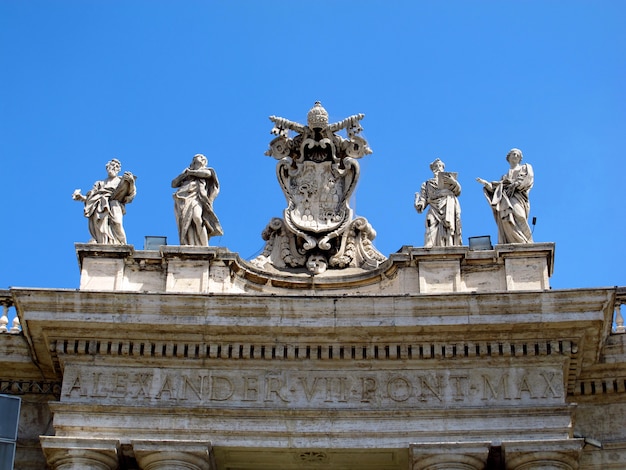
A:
[8,311]
[618,318]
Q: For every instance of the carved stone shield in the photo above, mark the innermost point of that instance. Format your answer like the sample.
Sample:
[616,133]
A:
[318,193]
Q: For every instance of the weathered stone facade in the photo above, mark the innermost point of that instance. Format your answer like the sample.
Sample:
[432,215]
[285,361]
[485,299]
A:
[190,357]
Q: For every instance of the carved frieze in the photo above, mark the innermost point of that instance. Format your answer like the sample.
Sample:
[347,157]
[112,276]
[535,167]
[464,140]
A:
[350,389]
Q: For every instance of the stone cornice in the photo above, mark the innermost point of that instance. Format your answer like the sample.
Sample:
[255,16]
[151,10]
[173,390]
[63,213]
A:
[470,305]
[96,315]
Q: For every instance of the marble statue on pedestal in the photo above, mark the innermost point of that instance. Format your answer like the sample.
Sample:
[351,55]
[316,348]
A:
[443,219]
[198,187]
[318,172]
[105,205]
[509,200]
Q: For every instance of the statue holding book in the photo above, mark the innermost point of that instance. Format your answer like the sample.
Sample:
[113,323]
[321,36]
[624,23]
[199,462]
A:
[105,205]
[443,218]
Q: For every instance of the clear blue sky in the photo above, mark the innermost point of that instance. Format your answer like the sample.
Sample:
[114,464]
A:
[154,82]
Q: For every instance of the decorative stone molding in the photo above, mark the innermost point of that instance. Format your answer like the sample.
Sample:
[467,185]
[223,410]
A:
[599,386]
[189,269]
[305,350]
[20,387]
[552,454]
[169,454]
[75,453]
[449,455]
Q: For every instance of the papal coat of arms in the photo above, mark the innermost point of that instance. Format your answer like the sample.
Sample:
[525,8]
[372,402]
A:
[318,171]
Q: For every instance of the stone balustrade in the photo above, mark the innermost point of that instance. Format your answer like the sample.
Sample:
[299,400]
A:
[6,301]
[618,319]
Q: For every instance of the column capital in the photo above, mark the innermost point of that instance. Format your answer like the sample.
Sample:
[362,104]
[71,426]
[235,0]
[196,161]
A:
[449,455]
[78,453]
[163,455]
[548,454]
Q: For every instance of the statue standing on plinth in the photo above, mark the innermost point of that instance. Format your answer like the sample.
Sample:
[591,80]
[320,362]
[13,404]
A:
[443,219]
[509,200]
[105,205]
[318,172]
[198,187]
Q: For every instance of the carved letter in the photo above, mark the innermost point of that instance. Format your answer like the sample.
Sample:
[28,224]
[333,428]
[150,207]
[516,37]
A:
[524,386]
[77,385]
[460,386]
[434,388]
[250,384]
[501,387]
[549,377]
[343,390]
[273,386]
[329,383]
[143,380]
[368,388]
[226,388]
[97,393]
[166,387]
[197,389]
[120,385]
[399,389]
[308,392]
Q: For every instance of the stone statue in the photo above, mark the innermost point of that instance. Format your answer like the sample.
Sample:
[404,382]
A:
[105,205]
[318,172]
[198,187]
[509,200]
[443,219]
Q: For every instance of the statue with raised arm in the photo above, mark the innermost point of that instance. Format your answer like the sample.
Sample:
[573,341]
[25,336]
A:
[443,219]
[509,200]
[198,187]
[105,205]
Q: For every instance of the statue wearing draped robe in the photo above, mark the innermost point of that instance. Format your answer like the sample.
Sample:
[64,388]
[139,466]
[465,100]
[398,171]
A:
[509,201]
[443,219]
[198,187]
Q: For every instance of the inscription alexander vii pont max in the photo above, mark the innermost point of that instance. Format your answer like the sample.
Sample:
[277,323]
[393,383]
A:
[307,389]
